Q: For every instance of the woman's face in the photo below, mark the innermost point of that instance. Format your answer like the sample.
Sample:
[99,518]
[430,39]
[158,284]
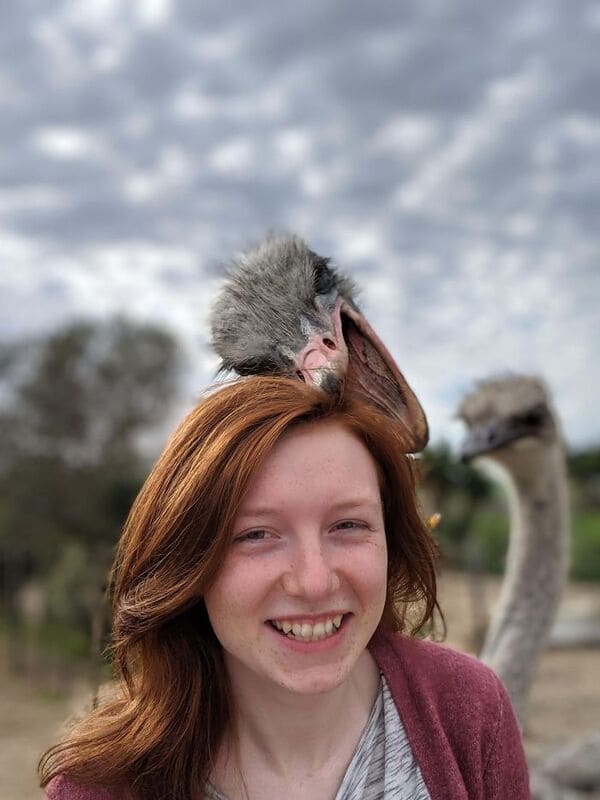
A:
[303,586]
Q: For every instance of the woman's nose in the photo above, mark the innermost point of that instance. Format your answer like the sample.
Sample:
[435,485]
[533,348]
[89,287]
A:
[311,575]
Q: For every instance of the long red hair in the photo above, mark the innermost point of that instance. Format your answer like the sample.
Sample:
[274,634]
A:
[159,734]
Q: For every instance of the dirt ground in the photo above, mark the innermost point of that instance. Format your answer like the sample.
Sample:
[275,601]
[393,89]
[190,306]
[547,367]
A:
[565,698]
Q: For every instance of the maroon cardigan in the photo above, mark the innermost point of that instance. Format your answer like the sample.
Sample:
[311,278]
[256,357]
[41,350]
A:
[457,716]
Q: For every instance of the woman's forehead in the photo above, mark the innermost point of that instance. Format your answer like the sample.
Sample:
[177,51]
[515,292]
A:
[321,455]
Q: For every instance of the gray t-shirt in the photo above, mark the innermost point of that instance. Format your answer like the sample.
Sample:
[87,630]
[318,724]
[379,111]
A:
[383,766]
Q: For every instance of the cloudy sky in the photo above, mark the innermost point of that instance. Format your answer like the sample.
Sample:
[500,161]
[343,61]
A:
[446,154]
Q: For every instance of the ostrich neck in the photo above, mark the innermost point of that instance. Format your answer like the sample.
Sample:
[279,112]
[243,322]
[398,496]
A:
[535,573]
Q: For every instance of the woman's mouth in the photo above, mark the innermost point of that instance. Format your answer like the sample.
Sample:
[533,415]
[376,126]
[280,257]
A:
[307,631]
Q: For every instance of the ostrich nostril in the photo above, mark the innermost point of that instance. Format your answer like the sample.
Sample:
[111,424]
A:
[329,343]
[491,436]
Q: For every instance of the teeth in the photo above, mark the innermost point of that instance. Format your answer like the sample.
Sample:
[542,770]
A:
[307,632]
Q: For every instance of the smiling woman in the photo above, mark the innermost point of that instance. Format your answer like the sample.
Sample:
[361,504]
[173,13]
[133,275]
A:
[303,586]
[267,588]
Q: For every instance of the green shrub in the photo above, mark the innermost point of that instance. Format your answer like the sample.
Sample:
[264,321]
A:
[585,550]
[485,549]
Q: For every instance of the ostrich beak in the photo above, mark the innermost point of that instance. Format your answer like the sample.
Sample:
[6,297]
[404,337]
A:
[486,438]
[323,361]
[373,372]
[352,357]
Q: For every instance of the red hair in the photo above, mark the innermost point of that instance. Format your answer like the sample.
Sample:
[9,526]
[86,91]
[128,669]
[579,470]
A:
[158,736]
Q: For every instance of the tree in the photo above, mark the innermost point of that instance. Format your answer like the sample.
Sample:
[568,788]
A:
[74,408]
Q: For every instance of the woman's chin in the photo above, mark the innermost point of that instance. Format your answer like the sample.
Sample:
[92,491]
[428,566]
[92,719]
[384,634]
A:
[322,678]
[314,680]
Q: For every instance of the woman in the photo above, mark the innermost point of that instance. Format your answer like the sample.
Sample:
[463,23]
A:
[266,583]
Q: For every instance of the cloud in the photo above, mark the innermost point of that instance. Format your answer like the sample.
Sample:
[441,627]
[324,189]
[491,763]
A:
[65,143]
[446,155]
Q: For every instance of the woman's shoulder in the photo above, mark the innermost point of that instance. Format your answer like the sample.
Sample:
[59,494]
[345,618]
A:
[457,688]
[458,717]
[433,665]
[61,788]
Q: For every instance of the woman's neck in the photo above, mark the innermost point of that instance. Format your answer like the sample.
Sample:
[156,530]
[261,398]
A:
[294,735]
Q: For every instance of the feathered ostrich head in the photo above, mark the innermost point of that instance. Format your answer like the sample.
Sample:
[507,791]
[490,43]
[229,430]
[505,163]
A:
[507,418]
[285,310]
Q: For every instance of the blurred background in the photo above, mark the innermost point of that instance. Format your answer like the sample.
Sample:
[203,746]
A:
[446,155]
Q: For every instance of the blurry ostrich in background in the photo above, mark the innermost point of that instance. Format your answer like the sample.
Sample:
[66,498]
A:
[511,422]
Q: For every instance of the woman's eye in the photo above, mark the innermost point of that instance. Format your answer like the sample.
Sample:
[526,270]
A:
[252,536]
[349,524]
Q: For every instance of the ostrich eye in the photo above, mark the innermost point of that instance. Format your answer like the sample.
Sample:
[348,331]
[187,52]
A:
[532,418]
[324,279]
[266,364]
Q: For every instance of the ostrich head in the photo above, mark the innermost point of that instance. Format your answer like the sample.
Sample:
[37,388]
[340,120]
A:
[509,420]
[285,310]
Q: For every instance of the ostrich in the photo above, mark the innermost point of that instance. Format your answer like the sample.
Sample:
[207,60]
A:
[286,310]
[510,421]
